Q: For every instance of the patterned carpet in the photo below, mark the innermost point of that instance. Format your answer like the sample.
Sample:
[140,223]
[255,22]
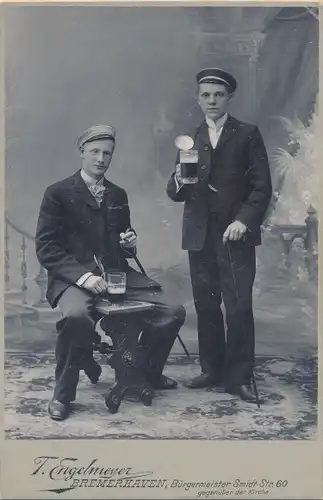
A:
[289,388]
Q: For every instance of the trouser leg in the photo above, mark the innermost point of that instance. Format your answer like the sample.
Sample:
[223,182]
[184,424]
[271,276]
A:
[207,299]
[74,341]
[237,272]
[159,328]
[159,334]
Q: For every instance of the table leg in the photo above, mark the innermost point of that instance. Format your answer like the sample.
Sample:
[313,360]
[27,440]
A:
[129,360]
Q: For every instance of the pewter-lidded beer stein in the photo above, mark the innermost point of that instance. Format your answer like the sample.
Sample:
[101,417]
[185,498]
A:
[188,159]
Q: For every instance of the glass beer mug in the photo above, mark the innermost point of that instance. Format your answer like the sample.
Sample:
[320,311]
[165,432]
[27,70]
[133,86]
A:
[188,159]
[188,163]
[116,282]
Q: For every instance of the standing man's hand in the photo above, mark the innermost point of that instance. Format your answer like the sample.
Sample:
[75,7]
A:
[128,239]
[95,284]
[234,231]
[178,175]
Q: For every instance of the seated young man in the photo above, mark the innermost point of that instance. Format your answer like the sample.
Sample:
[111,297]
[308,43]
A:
[84,220]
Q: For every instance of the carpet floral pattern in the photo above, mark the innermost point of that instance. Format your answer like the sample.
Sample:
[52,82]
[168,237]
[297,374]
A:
[289,388]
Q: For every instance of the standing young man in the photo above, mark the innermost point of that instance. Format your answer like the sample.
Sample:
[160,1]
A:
[223,213]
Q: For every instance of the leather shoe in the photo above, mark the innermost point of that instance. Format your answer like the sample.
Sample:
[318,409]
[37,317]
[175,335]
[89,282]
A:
[164,382]
[202,381]
[245,393]
[95,373]
[58,410]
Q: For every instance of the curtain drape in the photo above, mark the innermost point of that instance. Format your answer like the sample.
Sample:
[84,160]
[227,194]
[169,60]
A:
[287,76]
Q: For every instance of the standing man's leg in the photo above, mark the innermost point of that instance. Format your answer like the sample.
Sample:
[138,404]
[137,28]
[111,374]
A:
[237,269]
[73,347]
[207,298]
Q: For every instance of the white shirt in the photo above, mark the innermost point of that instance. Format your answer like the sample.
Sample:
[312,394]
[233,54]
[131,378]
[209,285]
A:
[215,129]
[90,180]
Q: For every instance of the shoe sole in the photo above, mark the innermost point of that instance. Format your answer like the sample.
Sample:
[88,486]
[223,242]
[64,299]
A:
[165,388]
[246,400]
[57,419]
[202,386]
[252,401]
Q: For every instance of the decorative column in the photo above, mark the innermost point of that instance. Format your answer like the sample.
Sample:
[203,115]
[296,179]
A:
[41,280]
[24,270]
[311,242]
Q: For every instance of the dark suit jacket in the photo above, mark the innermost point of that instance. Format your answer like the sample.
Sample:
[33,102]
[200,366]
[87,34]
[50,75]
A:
[66,233]
[242,179]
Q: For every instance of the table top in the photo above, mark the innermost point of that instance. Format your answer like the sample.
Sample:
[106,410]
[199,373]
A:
[123,307]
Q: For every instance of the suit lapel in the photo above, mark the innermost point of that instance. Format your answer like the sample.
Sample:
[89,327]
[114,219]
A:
[229,128]
[89,212]
[84,196]
[82,192]
[109,201]
[203,145]
[203,139]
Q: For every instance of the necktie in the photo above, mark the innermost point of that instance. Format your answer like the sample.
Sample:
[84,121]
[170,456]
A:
[97,191]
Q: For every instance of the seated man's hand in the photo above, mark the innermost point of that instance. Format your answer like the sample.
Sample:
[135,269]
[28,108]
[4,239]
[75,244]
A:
[234,231]
[95,284]
[128,239]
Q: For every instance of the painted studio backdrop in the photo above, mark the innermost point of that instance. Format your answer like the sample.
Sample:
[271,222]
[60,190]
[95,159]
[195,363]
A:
[70,67]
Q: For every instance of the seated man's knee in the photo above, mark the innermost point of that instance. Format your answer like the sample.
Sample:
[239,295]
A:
[79,311]
[178,313]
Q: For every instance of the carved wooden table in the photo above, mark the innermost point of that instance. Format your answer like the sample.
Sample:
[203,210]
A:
[122,321]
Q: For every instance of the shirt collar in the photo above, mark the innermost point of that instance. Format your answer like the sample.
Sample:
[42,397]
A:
[218,124]
[90,180]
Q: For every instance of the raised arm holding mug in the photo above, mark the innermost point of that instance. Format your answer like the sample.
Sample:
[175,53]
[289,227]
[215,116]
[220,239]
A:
[225,203]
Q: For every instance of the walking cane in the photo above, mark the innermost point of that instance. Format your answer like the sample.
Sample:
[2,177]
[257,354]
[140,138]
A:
[242,322]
